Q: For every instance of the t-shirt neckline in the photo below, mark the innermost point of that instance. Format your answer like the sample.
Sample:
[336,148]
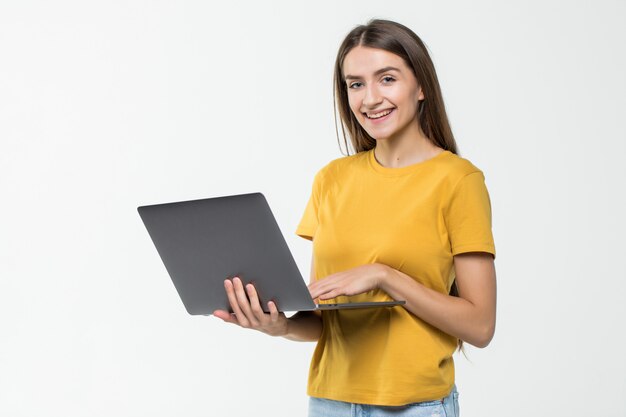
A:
[394,172]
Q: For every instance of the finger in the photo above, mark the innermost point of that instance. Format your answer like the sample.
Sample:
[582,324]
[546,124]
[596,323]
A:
[273,311]
[315,292]
[243,301]
[330,294]
[324,287]
[234,304]
[325,284]
[255,305]
[315,289]
[226,316]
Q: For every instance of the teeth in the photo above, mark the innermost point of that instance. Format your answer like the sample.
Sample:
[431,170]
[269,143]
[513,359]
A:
[379,115]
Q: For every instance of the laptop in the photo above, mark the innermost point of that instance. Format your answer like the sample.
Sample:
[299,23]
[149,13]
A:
[203,242]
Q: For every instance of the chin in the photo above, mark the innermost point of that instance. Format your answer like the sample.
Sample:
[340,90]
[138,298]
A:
[379,137]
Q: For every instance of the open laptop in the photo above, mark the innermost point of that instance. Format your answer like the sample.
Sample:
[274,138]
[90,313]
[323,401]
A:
[203,242]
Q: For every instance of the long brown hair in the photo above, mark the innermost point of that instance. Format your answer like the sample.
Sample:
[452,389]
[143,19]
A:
[402,41]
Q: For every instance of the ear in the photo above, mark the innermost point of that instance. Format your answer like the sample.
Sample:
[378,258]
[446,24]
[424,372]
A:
[420,94]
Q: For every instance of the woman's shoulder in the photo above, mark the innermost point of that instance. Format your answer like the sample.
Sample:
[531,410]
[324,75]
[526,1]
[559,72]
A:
[341,164]
[457,166]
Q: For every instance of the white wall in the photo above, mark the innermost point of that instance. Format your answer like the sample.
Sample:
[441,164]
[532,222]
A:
[105,106]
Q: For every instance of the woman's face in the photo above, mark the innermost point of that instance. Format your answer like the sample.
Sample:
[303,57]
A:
[382,92]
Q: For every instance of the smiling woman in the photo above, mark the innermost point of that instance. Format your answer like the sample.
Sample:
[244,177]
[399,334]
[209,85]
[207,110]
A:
[392,54]
[404,218]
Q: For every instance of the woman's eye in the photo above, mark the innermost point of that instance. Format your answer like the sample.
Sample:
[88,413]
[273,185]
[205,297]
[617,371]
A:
[353,85]
[388,78]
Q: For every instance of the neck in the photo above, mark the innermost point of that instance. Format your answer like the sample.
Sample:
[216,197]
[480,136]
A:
[405,150]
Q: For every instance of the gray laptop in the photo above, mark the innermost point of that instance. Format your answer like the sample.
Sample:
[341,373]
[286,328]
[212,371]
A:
[203,242]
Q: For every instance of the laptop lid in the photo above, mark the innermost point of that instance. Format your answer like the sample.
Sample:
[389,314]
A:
[203,242]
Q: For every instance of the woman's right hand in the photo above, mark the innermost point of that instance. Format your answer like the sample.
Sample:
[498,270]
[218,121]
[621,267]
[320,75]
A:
[248,312]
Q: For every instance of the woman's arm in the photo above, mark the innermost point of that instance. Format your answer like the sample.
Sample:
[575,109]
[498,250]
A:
[302,326]
[471,316]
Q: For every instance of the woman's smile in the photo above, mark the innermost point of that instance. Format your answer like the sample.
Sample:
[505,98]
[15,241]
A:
[380,116]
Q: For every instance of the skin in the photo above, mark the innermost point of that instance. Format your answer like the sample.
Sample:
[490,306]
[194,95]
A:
[302,326]
[399,142]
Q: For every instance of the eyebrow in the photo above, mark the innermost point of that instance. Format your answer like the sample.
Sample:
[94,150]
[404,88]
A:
[380,71]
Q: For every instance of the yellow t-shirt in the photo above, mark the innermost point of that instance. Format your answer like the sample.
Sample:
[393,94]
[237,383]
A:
[413,219]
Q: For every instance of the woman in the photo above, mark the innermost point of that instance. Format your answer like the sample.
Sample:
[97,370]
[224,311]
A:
[404,218]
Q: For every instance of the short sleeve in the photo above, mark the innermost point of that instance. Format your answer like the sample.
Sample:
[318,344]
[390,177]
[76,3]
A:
[310,218]
[468,217]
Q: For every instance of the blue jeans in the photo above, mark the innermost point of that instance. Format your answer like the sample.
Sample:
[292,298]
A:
[445,407]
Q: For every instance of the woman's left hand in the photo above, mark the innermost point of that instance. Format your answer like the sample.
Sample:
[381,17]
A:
[351,282]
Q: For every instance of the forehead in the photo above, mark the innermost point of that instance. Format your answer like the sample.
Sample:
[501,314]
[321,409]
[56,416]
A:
[362,61]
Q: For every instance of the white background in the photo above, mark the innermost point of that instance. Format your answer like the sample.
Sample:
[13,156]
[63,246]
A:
[105,106]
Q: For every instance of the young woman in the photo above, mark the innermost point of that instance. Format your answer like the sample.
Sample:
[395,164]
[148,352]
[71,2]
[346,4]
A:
[405,218]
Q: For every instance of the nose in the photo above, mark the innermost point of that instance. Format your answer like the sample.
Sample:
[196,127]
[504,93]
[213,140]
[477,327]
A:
[372,96]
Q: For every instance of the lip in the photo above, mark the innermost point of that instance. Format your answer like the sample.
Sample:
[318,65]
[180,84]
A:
[381,119]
